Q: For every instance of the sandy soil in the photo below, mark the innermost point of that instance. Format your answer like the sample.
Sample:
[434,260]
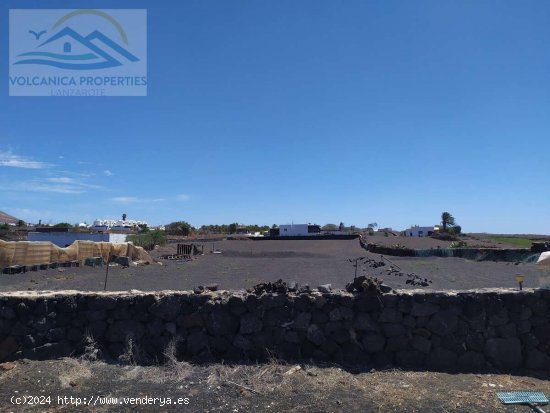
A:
[242,264]
[272,387]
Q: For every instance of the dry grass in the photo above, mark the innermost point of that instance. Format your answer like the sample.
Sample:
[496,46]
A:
[274,386]
[278,385]
[131,353]
[171,371]
[258,378]
[393,390]
[396,389]
[74,373]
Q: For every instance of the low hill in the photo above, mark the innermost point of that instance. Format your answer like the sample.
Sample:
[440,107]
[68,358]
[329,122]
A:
[7,219]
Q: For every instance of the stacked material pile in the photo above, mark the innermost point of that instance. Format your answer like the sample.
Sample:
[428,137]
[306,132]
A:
[35,253]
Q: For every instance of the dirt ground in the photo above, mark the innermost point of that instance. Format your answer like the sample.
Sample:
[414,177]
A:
[407,242]
[242,264]
[272,387]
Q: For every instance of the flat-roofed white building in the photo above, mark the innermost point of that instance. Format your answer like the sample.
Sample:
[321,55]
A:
[117,225]
[418,231]
[299,230]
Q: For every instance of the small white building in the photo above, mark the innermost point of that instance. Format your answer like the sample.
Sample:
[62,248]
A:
[418,231]
[299,230]
[117,225]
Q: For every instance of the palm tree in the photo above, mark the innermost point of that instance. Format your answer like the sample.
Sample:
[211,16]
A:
[447,220]
[124,217]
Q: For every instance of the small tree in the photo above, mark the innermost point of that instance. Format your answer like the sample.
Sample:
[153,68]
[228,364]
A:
[21,223]
[149,239]
[457,229]
[124,217]
[447,220]
[63,225]
[179,228]
[233,228]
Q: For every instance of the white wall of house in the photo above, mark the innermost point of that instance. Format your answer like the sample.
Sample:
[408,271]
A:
[417,231]
[62,239]
[293,230]
[118,238]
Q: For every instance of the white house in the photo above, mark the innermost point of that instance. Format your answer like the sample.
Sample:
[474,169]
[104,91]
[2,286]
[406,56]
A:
[298,230]
[116,225]
[417,231]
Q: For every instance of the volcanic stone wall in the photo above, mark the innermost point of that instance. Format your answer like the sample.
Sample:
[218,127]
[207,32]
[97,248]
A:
[467,331]
[477,254]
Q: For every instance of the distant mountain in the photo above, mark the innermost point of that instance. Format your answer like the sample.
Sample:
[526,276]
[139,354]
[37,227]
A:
[7,219]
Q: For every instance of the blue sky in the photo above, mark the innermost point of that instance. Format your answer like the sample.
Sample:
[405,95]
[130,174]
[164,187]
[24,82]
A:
[306,111]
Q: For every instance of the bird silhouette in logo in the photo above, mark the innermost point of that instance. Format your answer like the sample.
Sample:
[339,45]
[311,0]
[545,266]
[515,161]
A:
[37,35]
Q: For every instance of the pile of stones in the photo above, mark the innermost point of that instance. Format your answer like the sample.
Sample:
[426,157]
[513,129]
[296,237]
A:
[372,285]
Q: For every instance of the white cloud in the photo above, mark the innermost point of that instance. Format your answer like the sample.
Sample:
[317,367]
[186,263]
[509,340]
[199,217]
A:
[61,180]
[108,173]
[124,199]
[77,174]
[56,188]
[59,184]
[135,200]
[72,181]
[9,159]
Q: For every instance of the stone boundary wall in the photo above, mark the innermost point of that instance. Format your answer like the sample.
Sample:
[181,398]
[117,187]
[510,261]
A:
[457,331]
[477,254]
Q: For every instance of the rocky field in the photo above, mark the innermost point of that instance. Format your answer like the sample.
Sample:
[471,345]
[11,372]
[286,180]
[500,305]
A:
[242,264]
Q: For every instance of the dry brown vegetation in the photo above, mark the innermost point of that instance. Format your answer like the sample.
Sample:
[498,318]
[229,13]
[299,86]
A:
[272,386]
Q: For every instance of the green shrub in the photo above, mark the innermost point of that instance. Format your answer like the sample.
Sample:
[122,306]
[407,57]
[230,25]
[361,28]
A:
[444,236]
[179,228]
[148,240]
[63,225]
[457,229]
